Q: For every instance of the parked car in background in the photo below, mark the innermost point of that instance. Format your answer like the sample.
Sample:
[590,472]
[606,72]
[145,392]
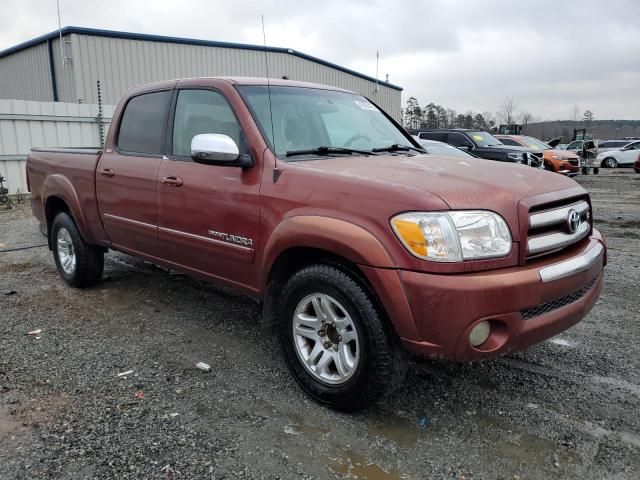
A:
[623,157]
[434,147]
[480,143]
[555,160]
[607,145]
[636,166]
[317,203]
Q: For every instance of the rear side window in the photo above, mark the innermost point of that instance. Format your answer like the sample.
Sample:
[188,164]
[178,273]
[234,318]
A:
[202,111]
[142,124]
[438,136]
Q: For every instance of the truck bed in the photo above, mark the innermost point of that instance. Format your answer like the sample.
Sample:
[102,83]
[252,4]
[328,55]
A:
[65,173]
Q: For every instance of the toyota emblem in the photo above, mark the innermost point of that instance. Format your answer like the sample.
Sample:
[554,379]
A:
[573,221]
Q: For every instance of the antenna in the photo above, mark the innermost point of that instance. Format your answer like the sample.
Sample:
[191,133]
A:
[276,172]
[60,33]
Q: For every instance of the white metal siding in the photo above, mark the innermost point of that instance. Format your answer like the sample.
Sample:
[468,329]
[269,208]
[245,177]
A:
[28,124]
[123,63]
[25,74]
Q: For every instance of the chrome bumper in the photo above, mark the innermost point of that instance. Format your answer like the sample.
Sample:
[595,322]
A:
[572,266]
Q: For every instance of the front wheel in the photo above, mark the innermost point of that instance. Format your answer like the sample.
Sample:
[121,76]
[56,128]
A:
[610,162]
[334,340]
[79,264]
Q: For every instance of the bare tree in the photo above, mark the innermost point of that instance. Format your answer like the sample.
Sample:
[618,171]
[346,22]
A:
[587,116]
[525,118]
[508,110]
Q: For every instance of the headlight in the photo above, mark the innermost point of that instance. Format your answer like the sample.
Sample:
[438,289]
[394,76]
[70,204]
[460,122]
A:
[518,157]
[453,236]
[555,157]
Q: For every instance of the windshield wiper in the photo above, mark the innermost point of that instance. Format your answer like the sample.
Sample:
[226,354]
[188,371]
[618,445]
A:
[324,150]
[398,148]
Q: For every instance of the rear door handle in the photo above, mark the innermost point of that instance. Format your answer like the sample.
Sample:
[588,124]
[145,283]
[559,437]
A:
[172,181]
[107,172]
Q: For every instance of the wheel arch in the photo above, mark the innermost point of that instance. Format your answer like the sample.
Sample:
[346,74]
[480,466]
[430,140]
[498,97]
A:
[58,196]
[304,240]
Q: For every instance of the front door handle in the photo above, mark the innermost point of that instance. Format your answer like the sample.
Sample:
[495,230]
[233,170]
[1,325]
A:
[107,172]
[172,181]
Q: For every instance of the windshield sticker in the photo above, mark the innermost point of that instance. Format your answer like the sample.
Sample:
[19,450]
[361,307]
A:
[364,105]
[477,138]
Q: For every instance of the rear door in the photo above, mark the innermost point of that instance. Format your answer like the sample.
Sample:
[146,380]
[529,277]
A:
[208,214]
[126,177]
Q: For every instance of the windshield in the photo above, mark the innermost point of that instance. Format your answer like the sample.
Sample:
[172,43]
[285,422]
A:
[434,148]
[535,144]
[312,119]
[484,139]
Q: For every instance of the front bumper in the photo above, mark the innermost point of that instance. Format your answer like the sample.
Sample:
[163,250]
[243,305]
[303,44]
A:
[524,305]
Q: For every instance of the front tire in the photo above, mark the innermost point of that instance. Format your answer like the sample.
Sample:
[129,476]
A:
[334,339]
[610,162]
[79,264]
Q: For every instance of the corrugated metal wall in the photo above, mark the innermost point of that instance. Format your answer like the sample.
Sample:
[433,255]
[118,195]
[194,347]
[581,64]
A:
[122,63]
[27,124]
[26,74]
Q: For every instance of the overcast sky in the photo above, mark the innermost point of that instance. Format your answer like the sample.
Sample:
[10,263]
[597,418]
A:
[466,55]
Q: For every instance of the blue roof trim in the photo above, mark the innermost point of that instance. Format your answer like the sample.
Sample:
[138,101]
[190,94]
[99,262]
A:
[186,41]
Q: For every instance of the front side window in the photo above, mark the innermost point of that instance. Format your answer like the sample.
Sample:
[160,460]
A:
[535,144]
[459,140]
[142,123]
[509,141]
[201,111]
[310,118]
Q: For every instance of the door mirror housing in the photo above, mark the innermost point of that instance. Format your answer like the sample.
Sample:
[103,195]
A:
[218,149]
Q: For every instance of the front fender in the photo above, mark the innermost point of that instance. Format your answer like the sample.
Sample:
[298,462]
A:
[339,237]
[57,185]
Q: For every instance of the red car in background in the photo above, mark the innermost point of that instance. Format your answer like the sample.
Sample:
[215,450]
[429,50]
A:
[559,161]
[636,165]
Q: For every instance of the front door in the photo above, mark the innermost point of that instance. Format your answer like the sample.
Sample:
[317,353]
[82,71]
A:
[126,177]
[208,214]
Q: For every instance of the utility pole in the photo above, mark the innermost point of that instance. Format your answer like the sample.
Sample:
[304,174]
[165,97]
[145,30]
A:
[60,34]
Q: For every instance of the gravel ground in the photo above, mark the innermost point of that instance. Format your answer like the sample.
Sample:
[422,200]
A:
[569,407]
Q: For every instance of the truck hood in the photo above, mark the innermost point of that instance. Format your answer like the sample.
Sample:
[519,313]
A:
[472,183]
[504,148]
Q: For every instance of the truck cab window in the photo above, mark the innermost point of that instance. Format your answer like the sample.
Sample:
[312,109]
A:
[202,111]
[142,124]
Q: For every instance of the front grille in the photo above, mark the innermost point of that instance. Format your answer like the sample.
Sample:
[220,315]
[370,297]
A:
[558,302]
[551,229]
[575,162]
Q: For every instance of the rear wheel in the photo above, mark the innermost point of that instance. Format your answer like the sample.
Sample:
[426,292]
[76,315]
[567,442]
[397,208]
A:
[79,264]
[610,162]
[334,340]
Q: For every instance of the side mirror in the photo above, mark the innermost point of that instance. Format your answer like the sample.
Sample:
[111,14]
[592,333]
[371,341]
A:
[217,149]
[465,147]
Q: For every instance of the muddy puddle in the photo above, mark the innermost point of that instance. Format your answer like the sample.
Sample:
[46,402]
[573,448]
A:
[353,465]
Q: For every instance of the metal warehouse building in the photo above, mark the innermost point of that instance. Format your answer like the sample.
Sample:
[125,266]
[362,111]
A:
[35,70]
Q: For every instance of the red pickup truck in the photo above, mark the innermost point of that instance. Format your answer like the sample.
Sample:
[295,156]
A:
[314,201]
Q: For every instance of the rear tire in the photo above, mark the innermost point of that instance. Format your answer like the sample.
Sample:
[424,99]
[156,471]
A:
[79,264]
[334,339]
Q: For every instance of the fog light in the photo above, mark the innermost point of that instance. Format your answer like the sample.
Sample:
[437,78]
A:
[479,333]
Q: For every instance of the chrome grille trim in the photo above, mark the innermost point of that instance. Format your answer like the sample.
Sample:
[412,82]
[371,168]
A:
[572,266]
[556,240]
[558,215]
